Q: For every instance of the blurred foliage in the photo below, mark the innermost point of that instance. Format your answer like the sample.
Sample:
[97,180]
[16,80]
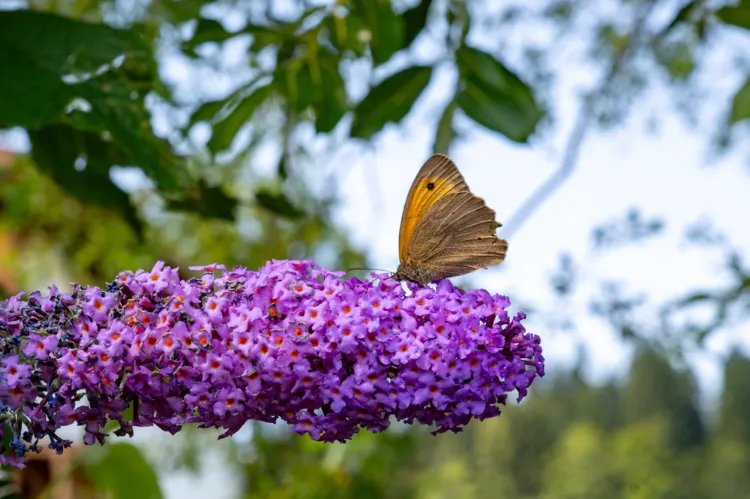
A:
[81,89]
[120,471]
[281,465]
[7,488]
[47,235]
[641,437]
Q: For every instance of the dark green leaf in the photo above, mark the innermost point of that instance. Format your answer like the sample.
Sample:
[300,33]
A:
[208,30]
[344,33]
[57,149]
[281,168]
[215,110]
[683,15]
[64,45]
[263,36]
[301,83]
[38,50]
[176,11]
[385,26]
[7,435]
[445,131]
[286,34]
[495,97]
[415,19]
[278,203]
[741,104]
[115,110]
[738,15]
[143,72]
[208,202]
[695,298]
[389,101]
[207,111]
[225,130]
[121,470]
[334,102]
[314,82]
[32,96]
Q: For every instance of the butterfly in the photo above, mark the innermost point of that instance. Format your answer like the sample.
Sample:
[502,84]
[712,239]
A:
[446,230]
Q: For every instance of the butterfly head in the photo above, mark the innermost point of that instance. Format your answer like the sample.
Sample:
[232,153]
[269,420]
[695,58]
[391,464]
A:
[408,271]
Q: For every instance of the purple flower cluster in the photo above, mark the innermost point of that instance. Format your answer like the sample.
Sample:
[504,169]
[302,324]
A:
[291,341]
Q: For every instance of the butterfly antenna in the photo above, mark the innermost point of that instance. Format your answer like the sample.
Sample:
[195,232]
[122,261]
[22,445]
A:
[362,268]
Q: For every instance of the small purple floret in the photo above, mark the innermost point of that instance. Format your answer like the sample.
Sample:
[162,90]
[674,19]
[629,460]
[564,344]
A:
[290,341]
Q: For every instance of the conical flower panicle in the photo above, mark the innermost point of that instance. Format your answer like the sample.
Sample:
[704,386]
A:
[290,341]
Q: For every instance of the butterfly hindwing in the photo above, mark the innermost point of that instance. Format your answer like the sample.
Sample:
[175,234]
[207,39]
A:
[439,177]
[457,236]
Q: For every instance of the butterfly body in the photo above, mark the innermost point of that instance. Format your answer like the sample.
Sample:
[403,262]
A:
[446,230]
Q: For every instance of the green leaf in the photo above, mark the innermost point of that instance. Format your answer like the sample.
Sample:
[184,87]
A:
[741,104]
[277,203]
[286,34]
[114,109]
[415,20]
[334,102]
[38,50]
[264,36]
[208,30]
[738,15]
[57,149]
[344,33]
[277,32]
[301,83]
[385,26]
[7,435]
[208,202]
[121,470]
[281,168]
[206,112]
[225,130]
[695,298]
[176,11]
[389,101]
[32,96]
[495,97]
[212,111]
[215,110]
[64,45]
[314,82]
[446,133]
[683,15]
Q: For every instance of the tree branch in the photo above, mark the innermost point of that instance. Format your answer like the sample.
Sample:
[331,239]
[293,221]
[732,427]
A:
[581,127]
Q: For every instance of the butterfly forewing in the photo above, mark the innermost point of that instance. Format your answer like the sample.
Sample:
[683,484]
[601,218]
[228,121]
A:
[438,177]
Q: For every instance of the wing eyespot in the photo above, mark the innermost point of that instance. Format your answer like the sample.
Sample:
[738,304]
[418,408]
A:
[430,186]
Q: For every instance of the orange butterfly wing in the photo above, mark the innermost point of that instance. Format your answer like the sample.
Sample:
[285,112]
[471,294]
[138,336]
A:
[437,178]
